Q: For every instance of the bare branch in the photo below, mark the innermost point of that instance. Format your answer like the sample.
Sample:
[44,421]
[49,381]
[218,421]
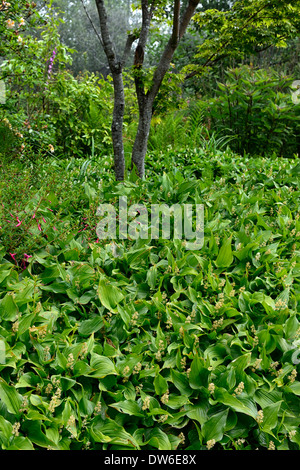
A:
[107,42]
[91,21]
[164,63]
[130,40]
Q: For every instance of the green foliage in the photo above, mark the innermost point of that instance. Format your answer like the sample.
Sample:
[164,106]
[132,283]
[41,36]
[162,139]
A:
[28,73]
[79,112]
[246,28]
[256,109]
[143,344]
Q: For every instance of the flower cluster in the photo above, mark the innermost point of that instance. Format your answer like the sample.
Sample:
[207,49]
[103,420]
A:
[51,61]
[4,6]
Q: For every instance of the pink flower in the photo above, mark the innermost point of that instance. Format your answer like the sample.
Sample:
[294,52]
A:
[44,219]
[33,216]
[19,222]
[13,256]
[54,228]
[39,227]
[26,256]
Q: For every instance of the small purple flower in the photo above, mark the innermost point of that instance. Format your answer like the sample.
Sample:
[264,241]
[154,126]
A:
[51,60]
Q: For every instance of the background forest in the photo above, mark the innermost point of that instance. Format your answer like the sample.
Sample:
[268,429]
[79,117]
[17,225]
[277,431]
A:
[141,344]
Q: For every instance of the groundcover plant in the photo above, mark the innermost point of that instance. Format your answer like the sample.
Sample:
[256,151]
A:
[142,344]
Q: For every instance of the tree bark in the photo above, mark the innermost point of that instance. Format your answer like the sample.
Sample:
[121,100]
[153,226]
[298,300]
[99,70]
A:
[146,100]
[140,145]
[116,68]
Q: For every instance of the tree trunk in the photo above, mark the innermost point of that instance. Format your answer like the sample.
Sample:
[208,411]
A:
[117,126]
[116,68]
[146,100]
[141,140]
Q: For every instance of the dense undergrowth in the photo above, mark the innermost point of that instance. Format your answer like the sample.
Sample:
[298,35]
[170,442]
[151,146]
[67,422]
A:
[144,344]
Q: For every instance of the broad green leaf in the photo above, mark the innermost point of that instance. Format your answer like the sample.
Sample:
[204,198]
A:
[10,397]
[20,443]
[241,405]
[8,308]
[159,439]
[112,432]
[160,384]
[198,412]
[129,407]
[181,382]
[225,256]
[177,401]
[87,327]
[5,427]
[270,414]
[265,397]
[214,427]
[110,296]
[294,388]
[198,374]
[101,366]
[152,276]
[36,435]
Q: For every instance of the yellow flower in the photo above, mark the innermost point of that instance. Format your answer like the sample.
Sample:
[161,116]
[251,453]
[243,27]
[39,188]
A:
[22,22]
[51,148]
[20,40]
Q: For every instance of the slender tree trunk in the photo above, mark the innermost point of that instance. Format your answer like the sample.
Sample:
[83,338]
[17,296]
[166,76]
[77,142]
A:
[116,68]
[117,126]
[141,140]
[146,100]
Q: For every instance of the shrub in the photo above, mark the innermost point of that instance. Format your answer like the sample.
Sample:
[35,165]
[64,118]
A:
[255,107]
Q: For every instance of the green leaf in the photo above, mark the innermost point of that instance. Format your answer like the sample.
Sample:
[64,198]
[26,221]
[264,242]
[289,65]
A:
[159,439]
[87,327]
[152,276]
[5,428]
[112,432]
[225,256]
[36,435]
[241,405]
[270,416]
[129,407]
[110,296]
[181,382]
[10,397]
[20,443]
[8,308]
[215,426]
[198,375]
[160,384]
[101,366]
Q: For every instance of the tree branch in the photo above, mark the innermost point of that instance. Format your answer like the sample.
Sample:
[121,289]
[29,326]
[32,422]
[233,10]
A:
[130,40]
[214,57]
[90,20]
[140,50]
[176,17]
[164,63]
[107,42]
